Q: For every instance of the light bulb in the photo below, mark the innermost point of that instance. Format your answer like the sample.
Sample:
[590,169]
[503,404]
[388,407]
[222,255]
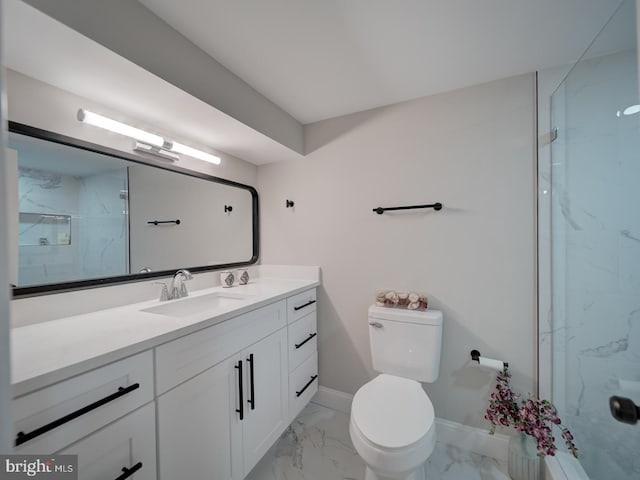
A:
[192,152]
[96,120]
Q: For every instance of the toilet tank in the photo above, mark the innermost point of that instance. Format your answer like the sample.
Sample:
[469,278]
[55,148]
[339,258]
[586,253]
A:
[406,343]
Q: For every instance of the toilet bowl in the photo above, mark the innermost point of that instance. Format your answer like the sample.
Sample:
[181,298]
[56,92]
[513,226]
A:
[392,428]
[392,418]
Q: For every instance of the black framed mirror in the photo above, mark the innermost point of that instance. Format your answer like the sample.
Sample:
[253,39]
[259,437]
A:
[84,215]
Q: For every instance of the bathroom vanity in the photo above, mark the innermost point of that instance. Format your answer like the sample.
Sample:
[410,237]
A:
[194,388]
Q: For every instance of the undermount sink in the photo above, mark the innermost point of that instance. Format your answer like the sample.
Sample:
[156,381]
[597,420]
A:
[192,305]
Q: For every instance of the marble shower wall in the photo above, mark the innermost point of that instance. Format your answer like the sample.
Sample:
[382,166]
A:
[596,259]
[104,233]
[50,193]
[97,244]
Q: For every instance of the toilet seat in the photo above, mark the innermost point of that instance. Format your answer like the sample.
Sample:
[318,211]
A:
[392,412]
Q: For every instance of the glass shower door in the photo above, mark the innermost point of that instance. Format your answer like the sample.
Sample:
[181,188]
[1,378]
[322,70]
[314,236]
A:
[595,245]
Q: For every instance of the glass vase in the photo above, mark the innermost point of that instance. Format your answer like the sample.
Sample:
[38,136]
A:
[524,462]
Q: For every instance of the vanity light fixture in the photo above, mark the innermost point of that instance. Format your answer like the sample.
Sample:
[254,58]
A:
[85,116]
[153,150]
[146,142]
[192,152]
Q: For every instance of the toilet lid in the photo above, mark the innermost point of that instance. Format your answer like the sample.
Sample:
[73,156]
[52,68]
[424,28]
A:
[392,412]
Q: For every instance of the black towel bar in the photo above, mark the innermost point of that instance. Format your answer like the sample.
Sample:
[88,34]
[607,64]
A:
[158,222]
[381,210]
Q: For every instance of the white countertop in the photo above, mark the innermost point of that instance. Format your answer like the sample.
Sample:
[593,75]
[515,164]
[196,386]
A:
[48,352]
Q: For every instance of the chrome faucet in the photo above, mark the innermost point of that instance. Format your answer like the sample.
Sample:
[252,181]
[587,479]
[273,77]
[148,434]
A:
[164,294]
[178,287]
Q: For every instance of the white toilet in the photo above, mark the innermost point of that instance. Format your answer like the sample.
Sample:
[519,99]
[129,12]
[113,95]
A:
[392,419]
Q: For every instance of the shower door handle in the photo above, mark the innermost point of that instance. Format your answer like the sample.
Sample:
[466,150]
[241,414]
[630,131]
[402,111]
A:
[624,410]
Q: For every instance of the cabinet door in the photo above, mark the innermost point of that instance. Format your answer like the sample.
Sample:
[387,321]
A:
[199,434]
[129,443]
[266,402]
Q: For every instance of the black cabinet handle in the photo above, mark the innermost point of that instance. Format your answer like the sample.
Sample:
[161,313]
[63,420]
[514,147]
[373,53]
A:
[252,400]
[311,335]
[127,472]
[310,302]
[306,386]
[22,437]
[241,409]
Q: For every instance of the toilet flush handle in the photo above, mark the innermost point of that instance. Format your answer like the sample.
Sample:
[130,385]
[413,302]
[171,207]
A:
[375,324]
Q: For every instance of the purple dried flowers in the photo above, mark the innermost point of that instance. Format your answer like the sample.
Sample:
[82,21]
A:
[531,416]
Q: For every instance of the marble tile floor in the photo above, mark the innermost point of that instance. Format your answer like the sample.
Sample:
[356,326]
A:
[317,446]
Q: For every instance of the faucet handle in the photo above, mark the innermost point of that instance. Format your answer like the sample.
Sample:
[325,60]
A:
[182,275]
[185,273]
[164,295]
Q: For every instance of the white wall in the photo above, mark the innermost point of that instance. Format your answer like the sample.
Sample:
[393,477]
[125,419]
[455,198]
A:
[472,150]
[215,237]
[6,427]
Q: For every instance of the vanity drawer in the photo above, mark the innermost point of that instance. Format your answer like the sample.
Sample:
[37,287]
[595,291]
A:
[128,443]
[60,414]
[184,358]
[300,305]
[303,339]
[303,384]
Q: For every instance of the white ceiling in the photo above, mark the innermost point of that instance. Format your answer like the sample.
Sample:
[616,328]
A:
[315,59]
[318,59]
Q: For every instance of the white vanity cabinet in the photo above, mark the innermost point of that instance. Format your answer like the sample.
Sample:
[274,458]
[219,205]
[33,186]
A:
[219,423]
[204,406]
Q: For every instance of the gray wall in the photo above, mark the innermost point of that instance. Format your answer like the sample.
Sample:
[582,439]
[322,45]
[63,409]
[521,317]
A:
[472,150]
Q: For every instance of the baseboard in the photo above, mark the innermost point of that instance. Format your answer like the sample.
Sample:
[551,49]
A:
[469,438]
[334,399]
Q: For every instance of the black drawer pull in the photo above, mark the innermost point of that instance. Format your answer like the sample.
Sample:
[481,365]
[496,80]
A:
[252,400]
[311,335]
[306,386]
[129,471]
[240,392]
[22,437]
[310,302]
